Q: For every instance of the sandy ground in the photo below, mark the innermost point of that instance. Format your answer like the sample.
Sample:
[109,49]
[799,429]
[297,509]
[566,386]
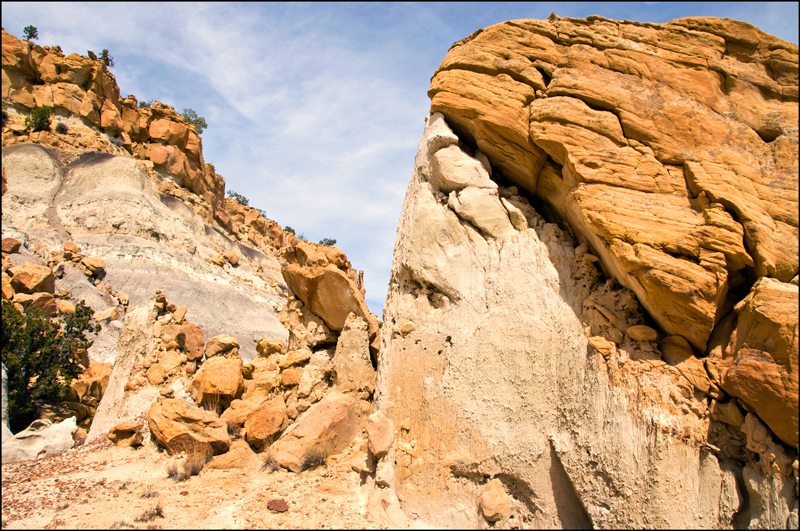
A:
[101,486]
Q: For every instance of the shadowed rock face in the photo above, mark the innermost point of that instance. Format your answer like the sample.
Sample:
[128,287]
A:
[670,153]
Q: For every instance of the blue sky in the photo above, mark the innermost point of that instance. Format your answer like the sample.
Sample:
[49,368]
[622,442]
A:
[315,110]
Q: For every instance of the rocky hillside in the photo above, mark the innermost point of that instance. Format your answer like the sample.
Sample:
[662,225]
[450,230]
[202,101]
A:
[197,295]
[592,317]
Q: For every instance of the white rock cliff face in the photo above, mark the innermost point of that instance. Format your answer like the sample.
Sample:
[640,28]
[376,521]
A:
[494,378]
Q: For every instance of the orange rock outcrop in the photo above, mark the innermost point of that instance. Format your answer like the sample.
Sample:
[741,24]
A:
[671,150]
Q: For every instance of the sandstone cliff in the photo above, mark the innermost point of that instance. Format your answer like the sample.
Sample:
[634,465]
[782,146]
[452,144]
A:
[614,362]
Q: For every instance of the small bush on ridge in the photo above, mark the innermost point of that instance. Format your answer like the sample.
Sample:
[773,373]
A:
[238,197]
[39,119]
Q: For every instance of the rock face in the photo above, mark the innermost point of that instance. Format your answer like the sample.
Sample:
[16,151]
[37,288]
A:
[507,356]
[617,126]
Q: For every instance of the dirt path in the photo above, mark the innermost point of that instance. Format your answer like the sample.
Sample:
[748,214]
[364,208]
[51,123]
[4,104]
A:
[101,486]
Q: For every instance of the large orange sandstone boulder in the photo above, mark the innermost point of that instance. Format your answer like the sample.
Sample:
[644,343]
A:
[761,363]
[31,278]
[321,277]
[265,423]
[671,150]
[325,429]
[219,380]
[182,427]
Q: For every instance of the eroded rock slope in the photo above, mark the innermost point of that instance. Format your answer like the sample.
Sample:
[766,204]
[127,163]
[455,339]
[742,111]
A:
[617,365]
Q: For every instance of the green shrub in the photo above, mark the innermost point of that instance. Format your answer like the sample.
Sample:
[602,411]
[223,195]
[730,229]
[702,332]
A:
[327,241]
[287,228]
[107,59]
[238,197]
[61,128]
[39,119]
[41,357]
[31,33]
[146,104]
[198,121]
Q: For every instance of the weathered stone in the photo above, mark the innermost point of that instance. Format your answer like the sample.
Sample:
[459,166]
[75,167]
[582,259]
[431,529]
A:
[94,265]
[66,307]
[761,364]
[278,505]
[179,314]
[182,427]
[407,327]
[31,278]
[380,434]
[44,302]
[42,438]
[352,362]
[266,347]
[220,344]
[641,333]
[126,434]
[295,357]
[306,329]
[493,501]
[11,245]
[240,455]
[678,353]
[242,408]
[219,380]
[384,509]
[265,423]
[231,256]
[290,377]
[325,429]
[327,292]
[8,291]
[107,314]
[217,259]
[193,341]
[156,375]
[72,247]
[452,170]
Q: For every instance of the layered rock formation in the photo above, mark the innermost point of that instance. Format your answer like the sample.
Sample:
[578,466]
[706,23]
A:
[116,203]
[129,186]
[664,155]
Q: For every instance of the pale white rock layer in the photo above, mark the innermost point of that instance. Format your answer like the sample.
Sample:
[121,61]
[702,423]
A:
[498,381]
[41,439]
[148,240]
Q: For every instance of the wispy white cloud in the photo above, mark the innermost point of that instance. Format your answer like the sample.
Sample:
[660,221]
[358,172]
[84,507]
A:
[315,110]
